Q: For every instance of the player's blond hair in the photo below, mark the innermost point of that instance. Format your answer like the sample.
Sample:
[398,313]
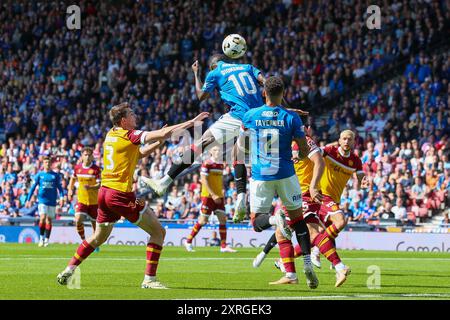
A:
[349,132]
[118,112]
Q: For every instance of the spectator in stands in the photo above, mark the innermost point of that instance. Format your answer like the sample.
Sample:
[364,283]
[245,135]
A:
[385,212]
[348,213]
[399,211]
[418,191]
[183,208]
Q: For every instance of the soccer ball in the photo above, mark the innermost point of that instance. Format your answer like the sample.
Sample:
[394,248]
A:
[234,46]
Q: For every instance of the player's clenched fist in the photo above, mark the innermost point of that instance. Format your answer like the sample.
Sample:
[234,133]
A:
[195,66]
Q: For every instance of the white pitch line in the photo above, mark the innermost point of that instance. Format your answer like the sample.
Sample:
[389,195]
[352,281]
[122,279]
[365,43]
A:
[354,296]
[31,257]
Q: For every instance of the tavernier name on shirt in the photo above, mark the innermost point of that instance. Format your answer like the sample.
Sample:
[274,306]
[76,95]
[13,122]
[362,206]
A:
[271,123]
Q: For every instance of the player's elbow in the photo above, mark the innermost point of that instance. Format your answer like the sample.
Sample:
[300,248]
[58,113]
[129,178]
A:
[202,95]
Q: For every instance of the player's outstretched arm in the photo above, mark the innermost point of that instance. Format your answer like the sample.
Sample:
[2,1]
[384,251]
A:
[166,132]
[61,192]
[300,112]
[201,95]
[33,187]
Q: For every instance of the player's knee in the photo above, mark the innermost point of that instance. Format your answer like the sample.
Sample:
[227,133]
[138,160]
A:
[253,223]
[339,221]
[163,232]
[279,236]
[96,241]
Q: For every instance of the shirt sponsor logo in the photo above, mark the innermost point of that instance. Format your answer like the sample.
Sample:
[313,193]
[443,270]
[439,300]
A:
[269,114]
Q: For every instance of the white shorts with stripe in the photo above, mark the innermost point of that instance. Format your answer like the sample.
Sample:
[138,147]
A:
[50,211]
[262,193]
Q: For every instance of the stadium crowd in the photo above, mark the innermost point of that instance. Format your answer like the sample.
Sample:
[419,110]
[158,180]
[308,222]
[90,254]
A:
[57,85]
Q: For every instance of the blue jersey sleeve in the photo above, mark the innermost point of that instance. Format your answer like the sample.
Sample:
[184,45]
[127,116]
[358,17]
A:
[60,188]
[33,187]
[210,82]
[255,71]
[297,126]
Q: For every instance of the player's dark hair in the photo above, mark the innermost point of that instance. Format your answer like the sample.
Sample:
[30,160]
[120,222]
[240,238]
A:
[118,112]
[274,86]
[216,58]
[45,158]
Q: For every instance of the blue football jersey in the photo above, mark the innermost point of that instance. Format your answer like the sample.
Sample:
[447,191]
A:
[238,86]
[272,130]
[49,184]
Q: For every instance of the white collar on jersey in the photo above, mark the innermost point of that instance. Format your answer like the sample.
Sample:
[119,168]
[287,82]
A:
[342,153]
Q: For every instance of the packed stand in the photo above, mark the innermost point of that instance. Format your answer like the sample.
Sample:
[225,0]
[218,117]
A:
[403,142]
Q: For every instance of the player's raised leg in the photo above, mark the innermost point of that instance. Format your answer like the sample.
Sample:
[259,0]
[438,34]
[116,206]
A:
[185,160]
[260,201]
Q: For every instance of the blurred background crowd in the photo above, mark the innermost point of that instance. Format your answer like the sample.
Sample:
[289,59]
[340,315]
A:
[57,85]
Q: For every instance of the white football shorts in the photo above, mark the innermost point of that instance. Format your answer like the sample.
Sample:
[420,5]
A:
[50,211]
[262,193]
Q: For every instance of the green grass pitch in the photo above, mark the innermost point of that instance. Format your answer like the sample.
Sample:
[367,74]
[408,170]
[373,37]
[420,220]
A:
[116,272]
